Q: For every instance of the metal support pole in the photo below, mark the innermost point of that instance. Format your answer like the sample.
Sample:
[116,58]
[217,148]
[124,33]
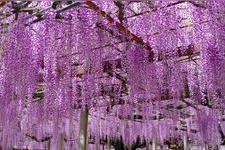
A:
[83,129]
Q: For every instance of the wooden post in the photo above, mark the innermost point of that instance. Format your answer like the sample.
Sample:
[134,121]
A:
[147,145]
[108,144]
[153,144]
[97,142]
[61,143]
[48,144]
[206,147]
[83,129]
[185,142]
[129,147]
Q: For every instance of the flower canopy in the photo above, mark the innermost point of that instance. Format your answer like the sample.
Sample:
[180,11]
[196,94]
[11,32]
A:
[143,70]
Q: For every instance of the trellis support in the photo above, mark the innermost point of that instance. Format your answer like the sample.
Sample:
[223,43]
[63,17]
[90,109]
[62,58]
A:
[83,141]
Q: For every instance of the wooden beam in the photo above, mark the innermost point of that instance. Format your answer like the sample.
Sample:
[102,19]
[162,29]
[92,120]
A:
[76,3]
[122,28]
[190,104]
[188,54]
[111,32]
